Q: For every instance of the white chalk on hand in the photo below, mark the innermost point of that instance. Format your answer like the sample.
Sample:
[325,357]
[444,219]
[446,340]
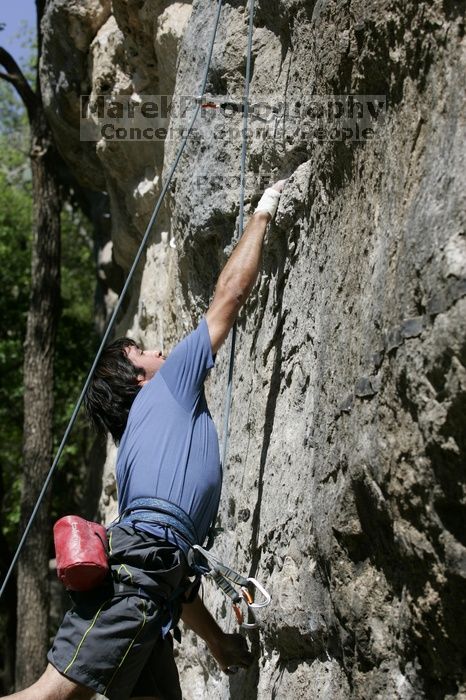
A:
[269,201]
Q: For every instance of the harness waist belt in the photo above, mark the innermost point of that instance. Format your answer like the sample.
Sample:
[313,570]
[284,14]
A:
[158,511]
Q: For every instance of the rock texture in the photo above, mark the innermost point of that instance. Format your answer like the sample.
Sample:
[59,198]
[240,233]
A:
[344,491]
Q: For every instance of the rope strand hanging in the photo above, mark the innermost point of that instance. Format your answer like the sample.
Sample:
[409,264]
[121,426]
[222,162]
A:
[247,80]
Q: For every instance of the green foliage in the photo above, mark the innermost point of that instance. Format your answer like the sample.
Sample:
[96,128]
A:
[15,240]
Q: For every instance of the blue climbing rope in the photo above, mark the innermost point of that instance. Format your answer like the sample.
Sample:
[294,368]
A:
[247,80]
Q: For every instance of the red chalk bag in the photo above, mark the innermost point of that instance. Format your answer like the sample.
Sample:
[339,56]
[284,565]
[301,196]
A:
[81,550]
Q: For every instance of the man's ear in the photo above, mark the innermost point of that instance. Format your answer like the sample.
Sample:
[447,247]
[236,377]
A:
[142,379]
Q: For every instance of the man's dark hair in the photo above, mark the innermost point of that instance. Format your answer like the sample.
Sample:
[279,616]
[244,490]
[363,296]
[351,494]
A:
[113,388]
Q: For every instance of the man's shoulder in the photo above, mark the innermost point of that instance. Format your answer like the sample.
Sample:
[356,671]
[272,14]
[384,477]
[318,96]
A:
[196,340]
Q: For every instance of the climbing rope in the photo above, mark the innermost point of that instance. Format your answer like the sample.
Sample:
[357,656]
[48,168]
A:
[247,80]
[116,310]
[217,571]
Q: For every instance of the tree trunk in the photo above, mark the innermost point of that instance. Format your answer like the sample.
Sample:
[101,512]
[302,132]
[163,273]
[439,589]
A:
[7,648]
[44,309]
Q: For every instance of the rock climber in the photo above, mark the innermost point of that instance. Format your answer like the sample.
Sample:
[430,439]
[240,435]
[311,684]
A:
[116,639]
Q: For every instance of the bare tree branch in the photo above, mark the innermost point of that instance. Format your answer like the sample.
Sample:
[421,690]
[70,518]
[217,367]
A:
[16,77]
[6,76]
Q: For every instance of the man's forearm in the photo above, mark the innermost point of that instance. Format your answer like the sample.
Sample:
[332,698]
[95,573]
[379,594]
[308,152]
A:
[242,270]
[243,266]
[196,616]
[229,650]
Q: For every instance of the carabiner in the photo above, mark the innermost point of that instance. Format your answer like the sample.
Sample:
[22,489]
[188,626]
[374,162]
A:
[240,615]
[250,625]
[266,596]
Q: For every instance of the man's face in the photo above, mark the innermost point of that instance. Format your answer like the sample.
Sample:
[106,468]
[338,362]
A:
[150,360]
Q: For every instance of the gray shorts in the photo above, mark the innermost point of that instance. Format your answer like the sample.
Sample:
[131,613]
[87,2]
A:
[115,638]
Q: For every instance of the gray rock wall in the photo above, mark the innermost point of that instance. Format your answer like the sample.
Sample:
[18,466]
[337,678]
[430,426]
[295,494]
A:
[344,491]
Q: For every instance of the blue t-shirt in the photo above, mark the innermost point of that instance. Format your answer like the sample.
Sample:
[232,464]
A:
[169,448]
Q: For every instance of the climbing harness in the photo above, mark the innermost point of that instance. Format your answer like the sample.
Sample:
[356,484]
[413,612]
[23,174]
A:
[158,511]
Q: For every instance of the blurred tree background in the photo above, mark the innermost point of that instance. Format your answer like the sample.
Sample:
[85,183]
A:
[76,343]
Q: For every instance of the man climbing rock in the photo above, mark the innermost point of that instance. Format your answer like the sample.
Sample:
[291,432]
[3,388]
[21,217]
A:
[116,638]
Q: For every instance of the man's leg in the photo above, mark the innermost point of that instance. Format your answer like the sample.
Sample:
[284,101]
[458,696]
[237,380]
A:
[53,686]
[159,679]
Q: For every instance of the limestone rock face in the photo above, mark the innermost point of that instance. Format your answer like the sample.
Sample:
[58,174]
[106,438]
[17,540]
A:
[344,488]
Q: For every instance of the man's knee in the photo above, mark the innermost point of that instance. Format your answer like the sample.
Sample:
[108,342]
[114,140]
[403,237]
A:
[52,685]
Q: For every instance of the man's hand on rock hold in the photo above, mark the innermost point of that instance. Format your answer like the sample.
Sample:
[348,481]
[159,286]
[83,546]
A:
[268,203]
[231,652]
[279,185]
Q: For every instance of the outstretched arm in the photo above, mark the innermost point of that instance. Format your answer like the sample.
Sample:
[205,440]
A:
[238,276]
[228,649]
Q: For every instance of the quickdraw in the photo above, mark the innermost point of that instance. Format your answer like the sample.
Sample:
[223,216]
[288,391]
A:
[224,576]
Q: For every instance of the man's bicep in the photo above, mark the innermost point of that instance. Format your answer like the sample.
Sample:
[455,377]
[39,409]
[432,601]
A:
[220,318]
